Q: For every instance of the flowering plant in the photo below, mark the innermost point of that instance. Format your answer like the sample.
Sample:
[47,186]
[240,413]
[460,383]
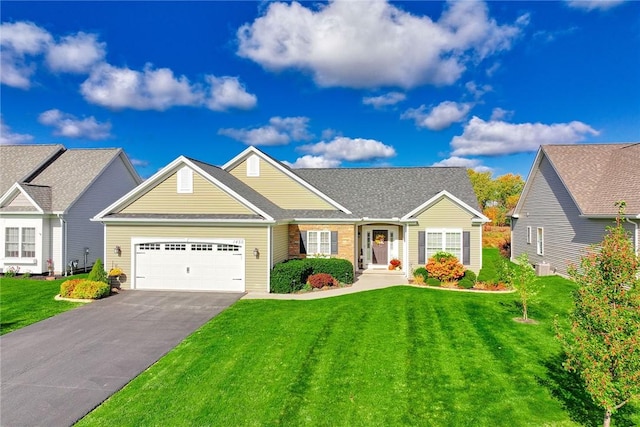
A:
[395,263]
[50,264]
[115,272]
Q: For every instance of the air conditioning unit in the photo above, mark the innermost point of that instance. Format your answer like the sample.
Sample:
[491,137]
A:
[543,269]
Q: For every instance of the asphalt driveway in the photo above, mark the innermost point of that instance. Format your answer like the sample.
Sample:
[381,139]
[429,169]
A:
[54,372]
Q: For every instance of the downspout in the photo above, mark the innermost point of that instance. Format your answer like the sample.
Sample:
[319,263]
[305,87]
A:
[64,240]
[635,238]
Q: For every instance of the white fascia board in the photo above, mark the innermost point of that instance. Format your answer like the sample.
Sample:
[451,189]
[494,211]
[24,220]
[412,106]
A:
[183,221]
[229,191]
[161,175]
[445,193]
[287,172]
[608,216]
[17,188]
[323,220]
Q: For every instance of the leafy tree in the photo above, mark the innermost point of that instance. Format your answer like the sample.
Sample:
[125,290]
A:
[496,196]
[603,342]
[97,273]
[523,277]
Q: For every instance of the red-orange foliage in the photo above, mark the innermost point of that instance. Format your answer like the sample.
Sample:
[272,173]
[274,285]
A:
[320,280]
[444,267]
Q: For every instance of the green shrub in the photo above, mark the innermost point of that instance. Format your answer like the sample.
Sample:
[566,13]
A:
[321,280]
[341,269]
[91,289]
[68,286]
[466,283]
[431,281]
[421,272]
[289,276]
[97,273]
[469,274]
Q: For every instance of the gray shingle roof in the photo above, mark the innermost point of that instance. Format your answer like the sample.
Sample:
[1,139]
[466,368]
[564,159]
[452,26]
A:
[41,194]
[389,192]
[19,162]
[598,175]
[72,173]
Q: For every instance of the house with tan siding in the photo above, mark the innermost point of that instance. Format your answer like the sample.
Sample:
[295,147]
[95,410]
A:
[48,195]
[197,226]
[570,198]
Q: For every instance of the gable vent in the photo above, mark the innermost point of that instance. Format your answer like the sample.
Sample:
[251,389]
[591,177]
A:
[185,180]
[253,165]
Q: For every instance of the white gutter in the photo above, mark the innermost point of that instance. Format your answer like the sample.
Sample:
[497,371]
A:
[636,234]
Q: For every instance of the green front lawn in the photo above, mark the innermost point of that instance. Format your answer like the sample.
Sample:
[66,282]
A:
[27,301]
[397,356]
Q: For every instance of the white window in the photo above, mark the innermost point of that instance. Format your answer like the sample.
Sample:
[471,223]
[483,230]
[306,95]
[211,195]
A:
[540,241]
[318,243]
[11,242]
[447,240]
[28,243]
[529,235]
[253,165]
[185,180]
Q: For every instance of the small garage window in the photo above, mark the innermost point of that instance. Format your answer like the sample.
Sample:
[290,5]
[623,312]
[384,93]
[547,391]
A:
[201,247]
[228,248]
[149,246]
[175,247]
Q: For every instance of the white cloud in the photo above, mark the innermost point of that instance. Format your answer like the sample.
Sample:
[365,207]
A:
[590,5]
[374,44]
[391,98]
[477,91]
[75,54]
[70,126]
[350,149]
[315,162]
[439,117]
[227,93]
[150,89]
[496,138]
[9,137]
[18,40]
[501,114]
[454,161]
[139,163]
[279,131]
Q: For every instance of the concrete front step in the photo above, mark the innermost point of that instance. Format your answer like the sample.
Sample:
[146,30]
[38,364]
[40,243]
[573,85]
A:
[381,271]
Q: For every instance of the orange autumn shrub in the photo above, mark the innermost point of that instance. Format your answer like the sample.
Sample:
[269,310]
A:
[444,267]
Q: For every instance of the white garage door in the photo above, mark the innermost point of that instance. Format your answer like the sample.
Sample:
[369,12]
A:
[196,266]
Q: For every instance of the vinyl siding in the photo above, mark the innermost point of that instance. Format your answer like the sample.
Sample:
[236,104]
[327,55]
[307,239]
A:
[20,201]
[446,214]
[280,188]
[280,243]
[31,265]
[206,198]
[113,183]
[549,205]
[256,270]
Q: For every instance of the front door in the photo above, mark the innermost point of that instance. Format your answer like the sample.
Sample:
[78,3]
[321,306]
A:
[380,247]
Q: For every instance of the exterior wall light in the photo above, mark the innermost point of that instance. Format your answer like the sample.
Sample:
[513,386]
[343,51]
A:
[256,253]
[117,250]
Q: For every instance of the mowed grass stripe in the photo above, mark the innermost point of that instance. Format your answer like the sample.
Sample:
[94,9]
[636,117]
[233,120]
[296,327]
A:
[398,356]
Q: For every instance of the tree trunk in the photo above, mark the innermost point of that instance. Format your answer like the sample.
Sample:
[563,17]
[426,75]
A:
[524,310]
[607,418]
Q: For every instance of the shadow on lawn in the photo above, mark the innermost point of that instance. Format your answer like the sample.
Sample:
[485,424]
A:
[569,389]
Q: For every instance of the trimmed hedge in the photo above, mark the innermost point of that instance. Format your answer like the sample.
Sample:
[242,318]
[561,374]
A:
[84,289]
[421,271]
[465,283]
[291,275]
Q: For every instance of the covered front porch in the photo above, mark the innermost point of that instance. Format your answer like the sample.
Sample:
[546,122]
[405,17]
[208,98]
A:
[377,244]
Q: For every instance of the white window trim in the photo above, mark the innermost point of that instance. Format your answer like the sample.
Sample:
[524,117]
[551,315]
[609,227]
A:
[253,165]
[20,243]
[444,232]
[528,235]
[185,180]
[317,251]
[540,240]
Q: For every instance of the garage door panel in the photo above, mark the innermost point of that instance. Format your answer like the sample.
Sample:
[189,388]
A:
[190,266]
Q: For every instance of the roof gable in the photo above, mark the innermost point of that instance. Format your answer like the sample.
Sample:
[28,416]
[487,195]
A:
[26,198]
[595,175]
[282,185]
[223,181]
[479,217]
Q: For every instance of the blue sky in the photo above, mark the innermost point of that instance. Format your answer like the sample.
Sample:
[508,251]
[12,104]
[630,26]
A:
[339,84]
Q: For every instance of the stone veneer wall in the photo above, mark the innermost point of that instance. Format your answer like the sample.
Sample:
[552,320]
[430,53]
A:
[346,236]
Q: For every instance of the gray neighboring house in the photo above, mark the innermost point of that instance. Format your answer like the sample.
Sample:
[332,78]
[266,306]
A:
[569,200]
[47,196]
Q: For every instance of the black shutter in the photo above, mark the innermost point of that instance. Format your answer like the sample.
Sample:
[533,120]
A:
[421,251]
[334,243]
[303,242]
[466,248]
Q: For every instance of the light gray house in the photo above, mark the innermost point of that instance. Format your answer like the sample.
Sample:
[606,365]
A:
[569,200]
[48,195]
